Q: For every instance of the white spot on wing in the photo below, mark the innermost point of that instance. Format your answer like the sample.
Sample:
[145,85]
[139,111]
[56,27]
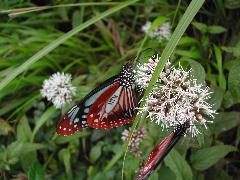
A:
[86,110]
[76,120]
[84,116]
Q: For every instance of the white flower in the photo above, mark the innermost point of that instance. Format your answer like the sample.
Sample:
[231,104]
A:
[143,72]
[162,32]
[176,98]
[137,138]
[146,26]
[58,89]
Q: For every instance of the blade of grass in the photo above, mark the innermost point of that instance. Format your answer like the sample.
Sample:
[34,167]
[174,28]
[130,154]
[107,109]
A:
[188,16]
[60,40]
[20,11]
[46,116]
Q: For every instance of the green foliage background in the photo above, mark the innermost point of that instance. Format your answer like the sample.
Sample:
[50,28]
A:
[104,40]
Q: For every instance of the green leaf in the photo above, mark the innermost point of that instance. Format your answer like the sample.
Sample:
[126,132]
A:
[216,29]
[5,127]
[76,18]
[18,148]
[27,160]
[36,172]
[228,100]
[234,50]
[232,4]
[238,137]
[95,152]
[187,41]
[216,97]
[131,164]
[223,175]
[65,156]
[205,158]
[234,82]
[198,71]
[67,139]
[200,26]
[15,103]
[24,132]
[193,53]
[43,119]
[230,63]
[157,22]
[225,121]
[178,165]
[166,174]
[221,77]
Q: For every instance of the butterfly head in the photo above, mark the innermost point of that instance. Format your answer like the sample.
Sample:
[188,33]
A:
[126,76]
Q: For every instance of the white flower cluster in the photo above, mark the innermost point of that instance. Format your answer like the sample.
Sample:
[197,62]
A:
[58,89]
[176,97]
[143,72]
[162,32]
[137,138]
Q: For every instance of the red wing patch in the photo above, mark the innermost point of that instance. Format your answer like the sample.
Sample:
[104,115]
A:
[71,122]
[115,107]
[154,157]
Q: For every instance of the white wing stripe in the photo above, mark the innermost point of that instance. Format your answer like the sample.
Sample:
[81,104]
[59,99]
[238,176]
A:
[130,97]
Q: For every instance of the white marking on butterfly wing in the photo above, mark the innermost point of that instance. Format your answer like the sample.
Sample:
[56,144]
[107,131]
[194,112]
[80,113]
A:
[113,100]
[73,114]
[121,103]
[91,100]
[126,99]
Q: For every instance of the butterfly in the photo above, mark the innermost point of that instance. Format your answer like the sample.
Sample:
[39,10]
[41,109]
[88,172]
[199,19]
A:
[109,105]
[160,151]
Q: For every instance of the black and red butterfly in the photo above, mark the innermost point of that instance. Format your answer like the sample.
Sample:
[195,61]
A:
[160,151]
[111,104]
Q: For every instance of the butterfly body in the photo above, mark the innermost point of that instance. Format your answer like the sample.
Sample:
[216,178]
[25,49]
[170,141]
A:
[111,104]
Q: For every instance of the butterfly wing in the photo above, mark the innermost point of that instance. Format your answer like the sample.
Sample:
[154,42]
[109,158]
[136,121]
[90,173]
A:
[154,158]
[161,150]
[113,108]
[76,118]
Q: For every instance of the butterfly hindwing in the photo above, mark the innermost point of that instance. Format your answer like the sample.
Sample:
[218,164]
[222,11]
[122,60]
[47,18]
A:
[74,120]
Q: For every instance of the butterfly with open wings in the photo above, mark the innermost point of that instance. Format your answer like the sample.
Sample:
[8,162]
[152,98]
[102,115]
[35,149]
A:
[109,105]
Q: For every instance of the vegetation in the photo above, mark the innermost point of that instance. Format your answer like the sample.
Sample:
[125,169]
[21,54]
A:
[91,42]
